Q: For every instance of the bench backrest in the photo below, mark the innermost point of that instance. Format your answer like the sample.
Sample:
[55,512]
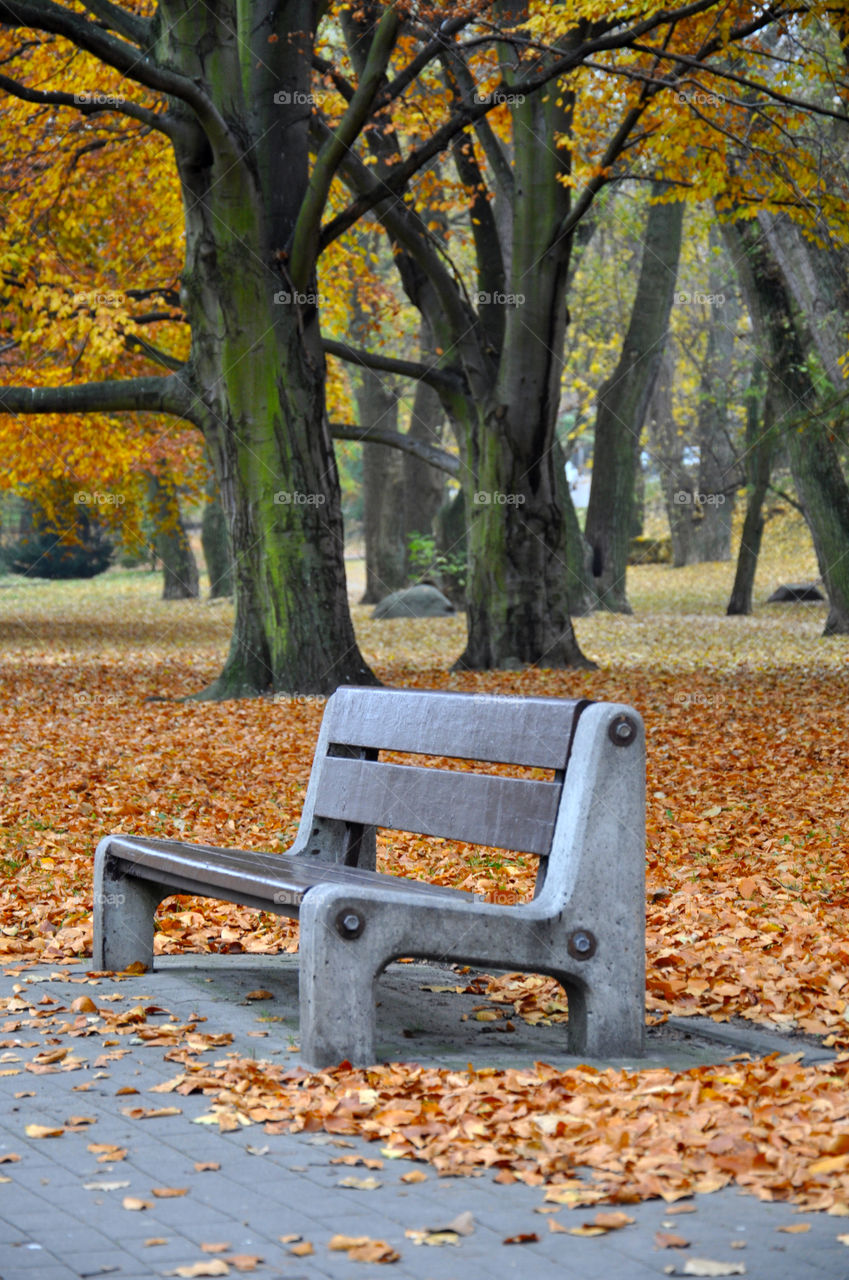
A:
[352,788]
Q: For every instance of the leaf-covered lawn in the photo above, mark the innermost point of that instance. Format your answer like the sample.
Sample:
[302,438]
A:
[748,810]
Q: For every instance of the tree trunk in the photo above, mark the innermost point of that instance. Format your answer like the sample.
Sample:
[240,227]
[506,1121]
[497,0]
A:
[760,448]
[814,463]
[215,540]
[179,567]
[622,403]
[717,455]
[675,482]
[424,486]
[383,508]
[818,278]
[249,291]
[518,586]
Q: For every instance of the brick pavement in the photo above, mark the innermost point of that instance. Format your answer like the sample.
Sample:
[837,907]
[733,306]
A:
[62,1214]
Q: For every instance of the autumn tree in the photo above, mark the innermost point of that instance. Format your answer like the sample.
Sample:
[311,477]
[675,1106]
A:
[530,176]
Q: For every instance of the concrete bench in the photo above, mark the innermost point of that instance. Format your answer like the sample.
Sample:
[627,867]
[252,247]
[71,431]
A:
[585,824]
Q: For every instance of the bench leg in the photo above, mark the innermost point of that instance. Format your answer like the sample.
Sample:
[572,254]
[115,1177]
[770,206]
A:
[606,1022]
[124,910]
[337,978]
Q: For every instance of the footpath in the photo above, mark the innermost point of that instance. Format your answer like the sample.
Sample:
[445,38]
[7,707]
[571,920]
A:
[93,1184]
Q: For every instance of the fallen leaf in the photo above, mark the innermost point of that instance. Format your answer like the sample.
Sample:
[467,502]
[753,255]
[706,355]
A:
[207,1166]
[795,1228]
[260,994]
[303,1249]
[153,1240]
[83,1004]
[244,1261]
[432,1237]
[525,1237]
[217,1247]
[612,1221]
[667,1240]
[373,1251]
[360,1184]
[11,1157]
[168,1193]
[212,1267]
[104,1186]
[342,1243]
[150,1113]
[415,1175]
[135,1204]
[709,1267]
[42,1131]
[830,1164]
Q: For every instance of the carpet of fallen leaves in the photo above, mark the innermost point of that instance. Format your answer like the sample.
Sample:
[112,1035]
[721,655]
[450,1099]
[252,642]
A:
[748,851]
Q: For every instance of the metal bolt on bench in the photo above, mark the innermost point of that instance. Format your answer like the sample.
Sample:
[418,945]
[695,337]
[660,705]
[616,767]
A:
[585,925]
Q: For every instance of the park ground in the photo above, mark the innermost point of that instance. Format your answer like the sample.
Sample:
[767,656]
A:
[747,863]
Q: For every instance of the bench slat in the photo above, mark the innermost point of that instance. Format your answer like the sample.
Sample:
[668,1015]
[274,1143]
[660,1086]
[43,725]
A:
[192,868]
[507,813]
[528,731]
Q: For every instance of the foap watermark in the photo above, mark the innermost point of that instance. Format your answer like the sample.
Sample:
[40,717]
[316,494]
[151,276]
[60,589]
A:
[698,699]
[494,498]
[685,499]
[684,298]
[88,298]
[500,97]
[297,97]
[496,299]
[698,98]
[109,899]
[285,298]
[85,699]
[85,498]
[288,897]
[500,898]
[293,498]
[301,699]
[87,99]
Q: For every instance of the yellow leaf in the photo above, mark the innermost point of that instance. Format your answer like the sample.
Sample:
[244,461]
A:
[42,1131]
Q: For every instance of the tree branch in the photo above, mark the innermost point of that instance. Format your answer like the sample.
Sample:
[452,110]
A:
[439,458]
[134,63]
[305,239]
[128,25]
[133,395]
[152,119]
[135,343]
[439,379]
[470,112]
[492,148]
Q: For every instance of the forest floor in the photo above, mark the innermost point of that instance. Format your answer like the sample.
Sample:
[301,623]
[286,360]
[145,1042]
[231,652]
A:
[748,860]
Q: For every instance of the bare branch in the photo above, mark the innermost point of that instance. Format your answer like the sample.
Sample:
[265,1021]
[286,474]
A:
[439,379]
[438,458]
